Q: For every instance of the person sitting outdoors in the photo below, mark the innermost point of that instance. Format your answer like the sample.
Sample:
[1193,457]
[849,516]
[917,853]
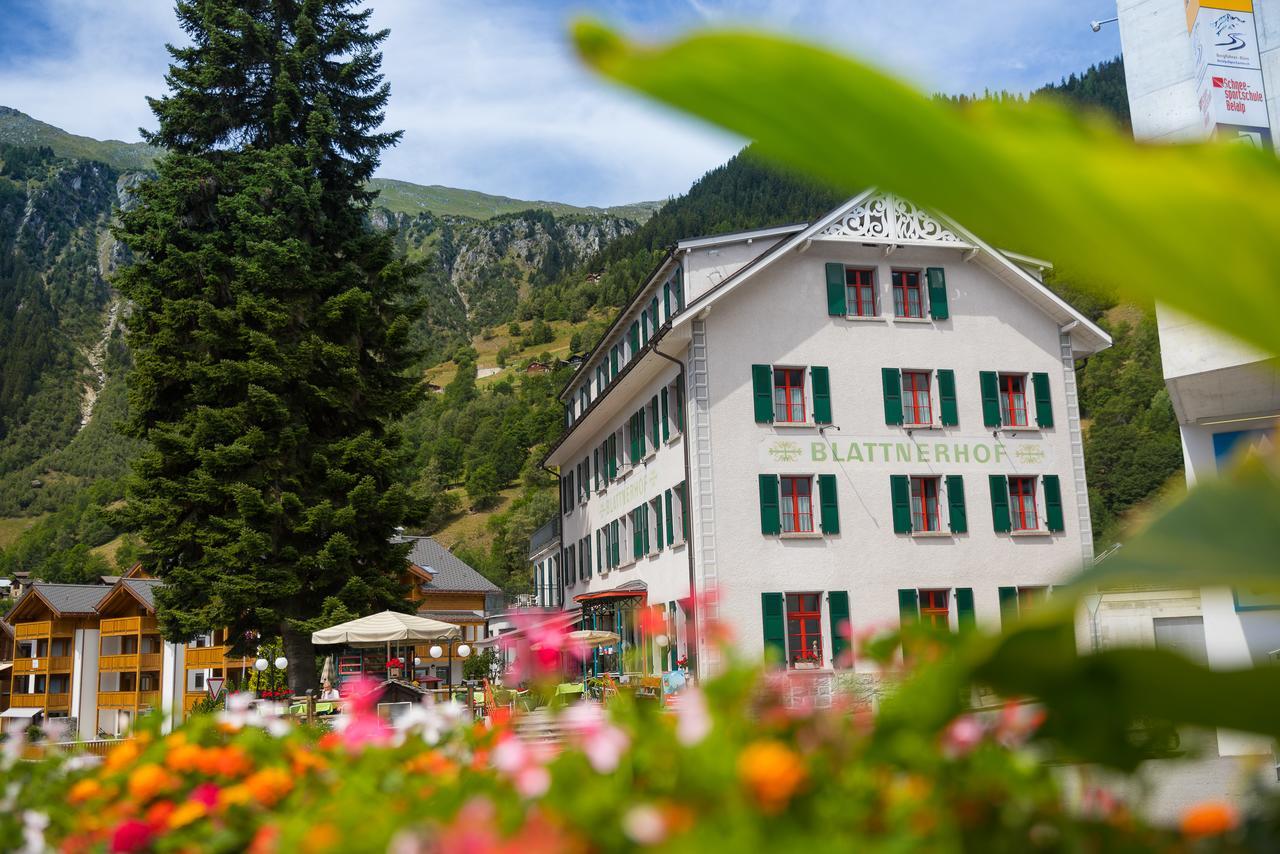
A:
[328,692]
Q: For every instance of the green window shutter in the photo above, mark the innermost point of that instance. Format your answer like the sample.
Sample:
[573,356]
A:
[644,527]
[770,513]
[666,299]
[612,455]
[990,398]
[655,428]
[680,402]
[821,394]
[637,536]
[613,362]
[937,280]
[908,606]
[671,532]
[837,301]
[1044,403]
[947,397]
[762,389]
[838,604]
[679,286]
[684,509]
[1053,503]
[964,609]
[595,465]
[775,627]
[900,488]
[586,552]
[666,416]
[657,528]
[1008,607]
[635,338]
[829,503]
[633,438]
[653,314]
[891,379]
[640,434]
[955,504]
[1000,503]
[615,551]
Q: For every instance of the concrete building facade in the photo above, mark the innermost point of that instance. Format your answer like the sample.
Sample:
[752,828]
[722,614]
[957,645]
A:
[868,418]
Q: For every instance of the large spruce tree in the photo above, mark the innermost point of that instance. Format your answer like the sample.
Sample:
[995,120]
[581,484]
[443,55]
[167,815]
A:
[270,328]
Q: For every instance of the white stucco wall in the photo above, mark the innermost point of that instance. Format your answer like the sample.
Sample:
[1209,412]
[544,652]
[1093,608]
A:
[990,328]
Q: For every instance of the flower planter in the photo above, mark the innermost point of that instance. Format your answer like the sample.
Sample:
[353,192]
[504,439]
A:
[805,665]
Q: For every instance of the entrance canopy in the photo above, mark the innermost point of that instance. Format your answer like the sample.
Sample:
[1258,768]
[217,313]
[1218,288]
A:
[26,713]
[384,628]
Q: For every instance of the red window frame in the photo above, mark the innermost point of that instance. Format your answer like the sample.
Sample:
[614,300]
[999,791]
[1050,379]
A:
[861,286]
[796,506]
[1030,596]
[925,512]
[786,408]
[915,384]
[804,628]
[1022,504]
[935,608]
[1013,399]
[906,288]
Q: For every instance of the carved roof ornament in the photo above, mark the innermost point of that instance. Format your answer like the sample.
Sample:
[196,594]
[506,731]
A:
[884,218]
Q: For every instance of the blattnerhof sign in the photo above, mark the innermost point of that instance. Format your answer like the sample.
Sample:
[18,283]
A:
[950,454]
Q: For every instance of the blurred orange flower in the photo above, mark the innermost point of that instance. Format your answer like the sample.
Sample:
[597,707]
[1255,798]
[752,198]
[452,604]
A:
[122,756]
[83,790]
[772,772]
[186,813]
[1209,818]
[183,757]
[147,781]
[269,785]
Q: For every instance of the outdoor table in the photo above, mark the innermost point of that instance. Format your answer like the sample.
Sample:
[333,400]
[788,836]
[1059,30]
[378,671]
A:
[322,708]
[570,688]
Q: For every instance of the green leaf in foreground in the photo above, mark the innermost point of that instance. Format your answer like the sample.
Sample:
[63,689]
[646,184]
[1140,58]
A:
[1149,221]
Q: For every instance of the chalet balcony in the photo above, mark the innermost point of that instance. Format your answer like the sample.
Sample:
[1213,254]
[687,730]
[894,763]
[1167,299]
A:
[56,664]
[130,661]
[128,699]
[48,702]
[44,629]
[205,657]
[112,626]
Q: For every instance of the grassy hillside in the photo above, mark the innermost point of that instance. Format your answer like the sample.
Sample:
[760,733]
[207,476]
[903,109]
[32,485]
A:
[20,129]
[412,199]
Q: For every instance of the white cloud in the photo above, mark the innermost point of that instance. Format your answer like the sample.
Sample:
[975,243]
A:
[491,98]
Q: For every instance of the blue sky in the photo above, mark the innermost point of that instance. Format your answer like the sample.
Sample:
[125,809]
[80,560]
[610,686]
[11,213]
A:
[491,98]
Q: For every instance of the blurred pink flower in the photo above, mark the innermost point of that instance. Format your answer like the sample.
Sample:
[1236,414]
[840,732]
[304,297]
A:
[540,644]
[360,725]
[205,793]
[1018,722]
[962,736]
[601,742]
[693,719]
[644,825]
[523,765]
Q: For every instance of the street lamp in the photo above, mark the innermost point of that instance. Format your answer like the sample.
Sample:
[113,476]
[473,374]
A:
[282,663]
[464,651]
[261,664]
[1096,26]
[436,651]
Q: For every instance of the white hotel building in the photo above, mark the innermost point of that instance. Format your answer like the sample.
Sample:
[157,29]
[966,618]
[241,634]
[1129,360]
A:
[868,418]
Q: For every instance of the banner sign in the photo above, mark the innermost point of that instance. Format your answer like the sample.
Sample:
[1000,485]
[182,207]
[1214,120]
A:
[1229,86]
[944,454]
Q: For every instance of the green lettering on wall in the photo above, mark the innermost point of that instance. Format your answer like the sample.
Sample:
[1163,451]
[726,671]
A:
[922,453]
[904,453]
[855,453]
[818,451]
[962,453]
[981,454]
[1001,455]
[942,452]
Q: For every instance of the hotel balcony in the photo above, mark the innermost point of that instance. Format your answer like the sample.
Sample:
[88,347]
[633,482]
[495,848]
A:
[48,702]
[206,657]
[44,629]
[111,626]
[130,661]
[128,699]
[56,664]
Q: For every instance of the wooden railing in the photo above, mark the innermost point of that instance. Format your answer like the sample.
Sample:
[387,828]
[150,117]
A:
[57,702]
[56,664]
[128,699]
[43,629]
[149,661]
[128,661]
[148,699]
[200,658]
[127,626]
[26,701]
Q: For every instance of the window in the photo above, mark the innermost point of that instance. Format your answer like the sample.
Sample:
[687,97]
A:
[924,504]
[907,299]
[788,395]
[804,628]
[797,505]
[674,518]
[1013,399]
[657,533]
[1022,504]
[584,397]
[862,292]
[570,564]
[935,610]
[1031,596]
[916,408]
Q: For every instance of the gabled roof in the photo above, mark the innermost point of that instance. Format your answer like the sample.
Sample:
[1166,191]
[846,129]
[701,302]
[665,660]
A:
[879,218]
[443,570]
[139,590]
[64,600]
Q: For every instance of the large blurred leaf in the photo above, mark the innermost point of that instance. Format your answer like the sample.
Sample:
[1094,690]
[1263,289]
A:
[1195,226]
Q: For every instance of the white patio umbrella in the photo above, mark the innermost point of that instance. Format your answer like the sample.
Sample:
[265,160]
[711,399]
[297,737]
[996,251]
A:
[386,628]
